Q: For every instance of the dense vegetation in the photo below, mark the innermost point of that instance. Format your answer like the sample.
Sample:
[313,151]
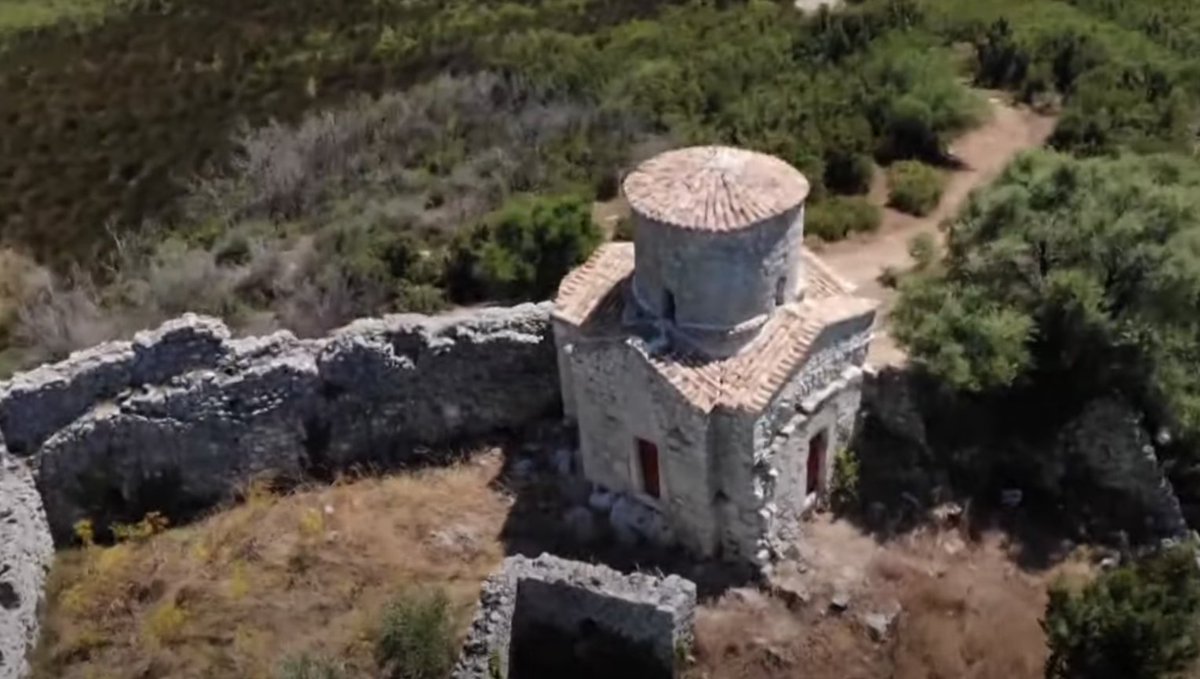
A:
[1136,622]
[128,175]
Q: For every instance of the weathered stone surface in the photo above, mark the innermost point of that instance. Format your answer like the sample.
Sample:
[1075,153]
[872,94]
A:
[35,404]
[183,415]
[1108,450]
[25,554]
[552,591]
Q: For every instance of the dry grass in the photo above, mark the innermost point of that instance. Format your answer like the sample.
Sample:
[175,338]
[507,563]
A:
[969,611]
[309,572]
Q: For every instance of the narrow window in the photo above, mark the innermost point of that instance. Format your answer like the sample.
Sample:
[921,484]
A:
[816,461]
[781,291]
[648,460]
[668,306]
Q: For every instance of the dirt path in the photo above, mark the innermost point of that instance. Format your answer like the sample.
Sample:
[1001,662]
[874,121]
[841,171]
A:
[984,153]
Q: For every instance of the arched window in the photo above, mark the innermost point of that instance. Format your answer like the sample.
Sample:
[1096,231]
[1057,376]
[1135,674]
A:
[781,291]
[668,307]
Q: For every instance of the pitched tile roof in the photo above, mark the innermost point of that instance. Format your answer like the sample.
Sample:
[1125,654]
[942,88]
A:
[591,297]
[714,188]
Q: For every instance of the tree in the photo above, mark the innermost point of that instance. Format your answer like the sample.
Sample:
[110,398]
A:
[1072,278]
[1136,622]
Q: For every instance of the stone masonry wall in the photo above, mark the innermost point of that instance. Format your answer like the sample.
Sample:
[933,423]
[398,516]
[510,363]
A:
[25,554]
[183,415]
[643,609]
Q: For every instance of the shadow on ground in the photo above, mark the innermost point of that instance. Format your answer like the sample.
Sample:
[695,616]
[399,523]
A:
[543,495]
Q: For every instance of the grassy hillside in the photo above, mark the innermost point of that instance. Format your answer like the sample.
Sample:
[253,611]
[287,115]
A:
[22,15]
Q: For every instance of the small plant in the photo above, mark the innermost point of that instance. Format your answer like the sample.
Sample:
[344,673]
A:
[164,625]
[151,524]
[915,187]
[923,249]
[416,637]
[85,532]
[305,666]
[844,493]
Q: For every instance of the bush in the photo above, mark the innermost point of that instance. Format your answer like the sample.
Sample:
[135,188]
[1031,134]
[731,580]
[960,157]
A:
[844,486]
[914,187]
[524,249]
[1136,622]
[416,638]
[839,216]
[306,666]
[849,172]
[923,249]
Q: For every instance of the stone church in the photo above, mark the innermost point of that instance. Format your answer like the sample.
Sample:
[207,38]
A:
[713,366]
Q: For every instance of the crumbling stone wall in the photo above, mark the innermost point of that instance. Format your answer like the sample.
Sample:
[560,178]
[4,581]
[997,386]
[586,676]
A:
[643,609]
[25,554]
[181,416]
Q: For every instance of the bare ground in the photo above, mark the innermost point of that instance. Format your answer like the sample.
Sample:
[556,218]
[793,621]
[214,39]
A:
[963,610]
[983,154]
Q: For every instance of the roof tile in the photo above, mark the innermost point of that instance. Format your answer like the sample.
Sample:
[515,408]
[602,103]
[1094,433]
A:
[714,188]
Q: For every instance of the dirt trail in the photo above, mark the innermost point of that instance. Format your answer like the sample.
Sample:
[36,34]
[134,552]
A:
[984,152]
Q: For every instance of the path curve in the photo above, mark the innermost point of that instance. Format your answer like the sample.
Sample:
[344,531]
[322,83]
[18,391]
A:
[984,153]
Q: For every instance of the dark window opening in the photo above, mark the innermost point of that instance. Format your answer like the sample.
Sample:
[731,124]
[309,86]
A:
[816,461]
[648,460]
[781,291]
[668,310]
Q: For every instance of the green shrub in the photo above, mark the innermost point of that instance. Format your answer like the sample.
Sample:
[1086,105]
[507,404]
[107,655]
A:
[305,666]
[524,249]
[1136,622]
[914,187]
[839,216]
[849,172]
[416,637]
[844,486]
[923,248]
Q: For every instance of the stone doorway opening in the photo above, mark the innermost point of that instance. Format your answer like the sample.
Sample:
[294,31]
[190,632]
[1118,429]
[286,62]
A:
[818,448]
[648,465]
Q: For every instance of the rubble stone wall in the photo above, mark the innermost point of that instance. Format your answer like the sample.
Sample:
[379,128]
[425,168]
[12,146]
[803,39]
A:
[643,609]
[25,554]
[182,416]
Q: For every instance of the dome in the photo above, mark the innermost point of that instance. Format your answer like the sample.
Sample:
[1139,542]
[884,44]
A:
[714,188]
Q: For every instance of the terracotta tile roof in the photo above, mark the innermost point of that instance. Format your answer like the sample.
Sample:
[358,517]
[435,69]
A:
[714,188]
[591,297]
[589,284]
[748,380]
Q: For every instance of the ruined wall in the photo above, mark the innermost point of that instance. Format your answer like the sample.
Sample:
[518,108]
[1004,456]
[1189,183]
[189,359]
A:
[658,612]
[181,416]
[25,554]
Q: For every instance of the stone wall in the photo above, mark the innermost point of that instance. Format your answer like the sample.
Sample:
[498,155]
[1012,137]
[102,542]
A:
[620,398]
[182,416]
[764,493]
[25,554]
[656,612]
